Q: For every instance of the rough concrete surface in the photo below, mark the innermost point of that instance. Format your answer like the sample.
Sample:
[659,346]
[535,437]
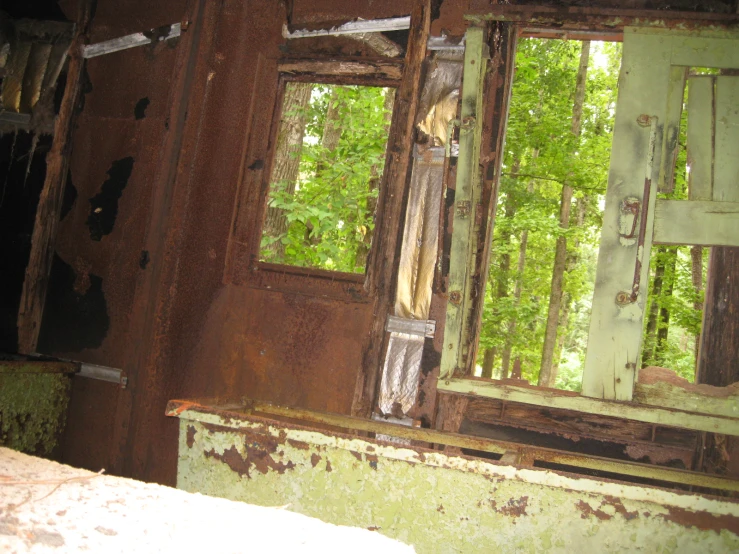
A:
[50,507]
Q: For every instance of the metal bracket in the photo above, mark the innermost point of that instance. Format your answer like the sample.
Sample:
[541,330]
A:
[102,373]
[417,327]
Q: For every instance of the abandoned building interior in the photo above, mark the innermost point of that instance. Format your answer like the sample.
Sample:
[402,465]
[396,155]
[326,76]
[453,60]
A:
[185,301]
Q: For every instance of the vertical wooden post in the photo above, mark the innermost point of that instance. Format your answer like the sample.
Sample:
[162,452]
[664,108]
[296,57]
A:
[48,211]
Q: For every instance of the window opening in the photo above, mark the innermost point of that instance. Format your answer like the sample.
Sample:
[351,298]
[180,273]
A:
[326,174]
[552,189]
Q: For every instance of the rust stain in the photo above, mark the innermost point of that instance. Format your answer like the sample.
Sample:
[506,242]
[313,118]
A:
[314,459]
[588,510]
[357,455]
[515,507]
[620,508]
[300,445]
[372,459]
[329,469]
[190,435]
[259,450]
[702,520]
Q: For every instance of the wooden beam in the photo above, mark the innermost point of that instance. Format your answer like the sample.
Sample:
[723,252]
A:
[382,267]
[467,196]
[565,400]
[43,242]
[384,69]
[696,222]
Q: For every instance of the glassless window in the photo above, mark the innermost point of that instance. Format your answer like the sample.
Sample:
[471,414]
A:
[326,174]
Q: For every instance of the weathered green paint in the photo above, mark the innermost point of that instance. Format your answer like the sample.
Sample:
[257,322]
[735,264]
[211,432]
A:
[726,162]
[466,199]
[670,146]
[33,408]
[700,136]
[653,61]
[696,222]
[649,410]
[437,502]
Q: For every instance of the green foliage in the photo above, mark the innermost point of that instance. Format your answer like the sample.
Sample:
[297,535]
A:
[330,214]
[541,154]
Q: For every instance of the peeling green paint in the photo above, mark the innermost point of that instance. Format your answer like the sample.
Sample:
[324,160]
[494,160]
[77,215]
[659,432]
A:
[442,503]
[33,408]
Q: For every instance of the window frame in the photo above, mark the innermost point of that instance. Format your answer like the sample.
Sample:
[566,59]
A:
[245,266]
[674,408]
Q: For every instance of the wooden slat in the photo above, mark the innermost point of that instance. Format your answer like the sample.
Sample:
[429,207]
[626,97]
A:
[616,328]
[670,144]
[709,48]
[726,168]
[696,222]
[671,396]
[467,195]
[553,398]
[700,137]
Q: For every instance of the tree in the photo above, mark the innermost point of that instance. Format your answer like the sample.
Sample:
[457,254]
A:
[329,212]
[541,156]
[286,164]
[547,374]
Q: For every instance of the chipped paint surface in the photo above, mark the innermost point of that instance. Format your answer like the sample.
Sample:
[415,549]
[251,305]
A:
[437,502]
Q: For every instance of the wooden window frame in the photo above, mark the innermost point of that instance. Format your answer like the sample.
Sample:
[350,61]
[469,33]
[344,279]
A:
[658,403]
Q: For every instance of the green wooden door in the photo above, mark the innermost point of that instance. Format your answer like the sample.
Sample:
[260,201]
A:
[654,72]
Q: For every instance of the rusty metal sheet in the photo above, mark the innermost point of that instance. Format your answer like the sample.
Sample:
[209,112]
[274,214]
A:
[285,348]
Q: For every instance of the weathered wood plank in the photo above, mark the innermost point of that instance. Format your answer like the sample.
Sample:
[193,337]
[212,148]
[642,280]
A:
[553,398]
[670,144]
[43,241]
[392,70]
[616,326]
[383,263]
[467,195]
[663,387]
[700,137]
[726,166]
[701,48]
[696,222]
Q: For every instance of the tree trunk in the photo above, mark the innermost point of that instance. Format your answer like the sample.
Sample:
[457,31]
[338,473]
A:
[560,255]
[650,341]
[668,285]
[696,258]
[511,331]
[505,266]
[572,260]
[487,363]
[374,184]
[287,161]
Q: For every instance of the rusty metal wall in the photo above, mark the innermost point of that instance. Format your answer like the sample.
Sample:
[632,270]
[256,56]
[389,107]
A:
[161,141]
